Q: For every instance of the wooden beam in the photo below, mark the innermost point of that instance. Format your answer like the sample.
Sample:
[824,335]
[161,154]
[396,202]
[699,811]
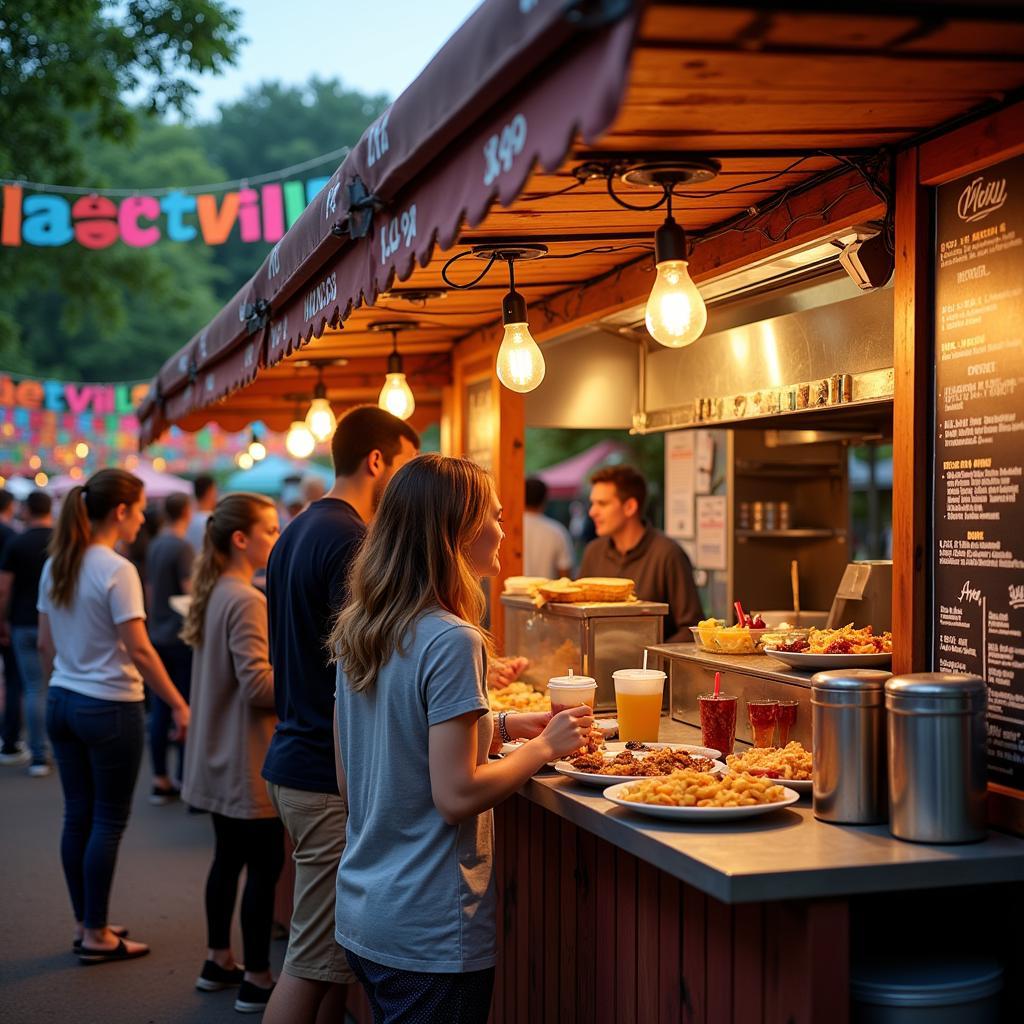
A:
[912,362]
[972,147]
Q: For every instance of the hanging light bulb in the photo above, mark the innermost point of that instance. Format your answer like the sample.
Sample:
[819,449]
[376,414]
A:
[257,449]
[520,364]
[396,396]
[299,441]
[82,450]
[320,418]
[244,460]
[676,314]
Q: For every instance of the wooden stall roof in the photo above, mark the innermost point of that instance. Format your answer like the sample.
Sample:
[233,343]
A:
[783,95]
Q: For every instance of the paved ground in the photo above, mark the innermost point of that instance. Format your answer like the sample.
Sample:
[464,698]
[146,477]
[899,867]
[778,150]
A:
[157,893]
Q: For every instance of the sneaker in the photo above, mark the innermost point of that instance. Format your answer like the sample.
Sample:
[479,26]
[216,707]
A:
[252,998]
[161,795]
[213,978]
[15,756]
[39,769]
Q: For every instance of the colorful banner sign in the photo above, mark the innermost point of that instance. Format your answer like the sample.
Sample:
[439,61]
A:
[98,221]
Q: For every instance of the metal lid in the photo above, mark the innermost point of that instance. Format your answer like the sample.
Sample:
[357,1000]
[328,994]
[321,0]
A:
[851,679]
[938,685]
[933,982]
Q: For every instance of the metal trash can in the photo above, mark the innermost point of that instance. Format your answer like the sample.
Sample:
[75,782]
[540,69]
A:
[937,757]
[848,715]
[933,991]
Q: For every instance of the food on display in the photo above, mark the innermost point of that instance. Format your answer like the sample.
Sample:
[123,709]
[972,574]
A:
[689,788]
[626,763]
[846,640]
[789,763]
[591,589]
[562,591]
[706,629]
[518,697]
[524,585]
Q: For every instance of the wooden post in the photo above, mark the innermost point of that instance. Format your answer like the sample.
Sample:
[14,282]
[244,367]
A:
[912,365]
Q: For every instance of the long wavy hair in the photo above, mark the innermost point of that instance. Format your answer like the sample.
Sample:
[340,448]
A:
[235,512]
[415,557]
[84,508]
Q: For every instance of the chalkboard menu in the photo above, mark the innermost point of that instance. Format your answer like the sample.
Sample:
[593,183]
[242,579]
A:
[978,551]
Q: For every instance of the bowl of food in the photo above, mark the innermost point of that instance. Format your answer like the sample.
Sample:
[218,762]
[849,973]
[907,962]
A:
[751,639]
[704,633]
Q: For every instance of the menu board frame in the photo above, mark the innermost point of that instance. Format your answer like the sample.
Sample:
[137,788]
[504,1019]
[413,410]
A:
[977,564]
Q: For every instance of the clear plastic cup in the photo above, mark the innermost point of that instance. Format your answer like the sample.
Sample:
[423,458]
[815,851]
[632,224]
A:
[638,697]
[787,719]
[571,692]
[763,716]
[718,721]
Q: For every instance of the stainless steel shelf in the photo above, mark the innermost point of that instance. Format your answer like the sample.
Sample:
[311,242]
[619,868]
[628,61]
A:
[797,534]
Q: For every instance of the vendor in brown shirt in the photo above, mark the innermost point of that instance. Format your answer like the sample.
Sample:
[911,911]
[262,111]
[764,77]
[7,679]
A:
[629,547]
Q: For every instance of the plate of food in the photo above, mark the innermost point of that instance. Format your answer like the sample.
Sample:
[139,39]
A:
[595,742]
[602,769]
[640,747]
[846,647]
[700,796]
[788,766]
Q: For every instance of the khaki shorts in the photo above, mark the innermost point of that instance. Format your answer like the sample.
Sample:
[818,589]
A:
[316,824]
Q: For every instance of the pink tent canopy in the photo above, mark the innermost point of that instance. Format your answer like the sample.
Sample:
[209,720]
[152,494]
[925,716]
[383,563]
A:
[158,485]
[568,478]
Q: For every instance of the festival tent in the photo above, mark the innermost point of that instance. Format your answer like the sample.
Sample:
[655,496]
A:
[566,479]
[270,475]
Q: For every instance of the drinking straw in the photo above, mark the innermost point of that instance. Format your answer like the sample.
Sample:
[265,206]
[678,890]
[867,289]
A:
[570,675]
[718,684]
[645,661]
[741,619]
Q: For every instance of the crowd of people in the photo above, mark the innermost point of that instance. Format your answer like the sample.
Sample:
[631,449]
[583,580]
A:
[328,681]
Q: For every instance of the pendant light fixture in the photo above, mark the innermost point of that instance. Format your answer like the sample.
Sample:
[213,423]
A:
[320,418]
[299,442]
[257,449]
[520,362]
[396,396]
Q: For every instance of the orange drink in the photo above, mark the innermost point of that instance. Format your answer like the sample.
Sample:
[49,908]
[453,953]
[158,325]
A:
[638,693]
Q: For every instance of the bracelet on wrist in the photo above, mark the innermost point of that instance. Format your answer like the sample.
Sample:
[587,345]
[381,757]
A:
[506,736]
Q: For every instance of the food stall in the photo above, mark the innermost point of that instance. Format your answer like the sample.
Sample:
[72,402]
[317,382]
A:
[848,177]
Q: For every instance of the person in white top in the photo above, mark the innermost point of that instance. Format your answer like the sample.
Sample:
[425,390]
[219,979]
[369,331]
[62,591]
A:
[94,649]
[547,546]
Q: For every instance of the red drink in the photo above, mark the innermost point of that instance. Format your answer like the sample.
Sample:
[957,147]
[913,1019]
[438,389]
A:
[787,719]
[763,715]
[717,721]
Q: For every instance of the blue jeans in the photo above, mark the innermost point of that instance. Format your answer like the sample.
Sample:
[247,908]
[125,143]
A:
[177,659]
[23,641]
[98,745]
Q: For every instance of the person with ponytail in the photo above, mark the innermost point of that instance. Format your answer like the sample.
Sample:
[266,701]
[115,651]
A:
[95,651]
[415,907]
[233,721]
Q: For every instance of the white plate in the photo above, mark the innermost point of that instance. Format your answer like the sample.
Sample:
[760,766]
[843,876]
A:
[614,793]
[593,779]
[805,660]
[617,747]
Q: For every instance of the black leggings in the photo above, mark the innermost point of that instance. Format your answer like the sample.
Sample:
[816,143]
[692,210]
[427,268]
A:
[256,844]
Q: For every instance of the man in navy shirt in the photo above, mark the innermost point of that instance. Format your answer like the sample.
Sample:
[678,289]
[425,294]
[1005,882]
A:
[306,585]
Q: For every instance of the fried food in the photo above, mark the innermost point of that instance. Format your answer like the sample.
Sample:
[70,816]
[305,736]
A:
[789,762]
[688,788]
[848,640]
[661,762]
[518,697]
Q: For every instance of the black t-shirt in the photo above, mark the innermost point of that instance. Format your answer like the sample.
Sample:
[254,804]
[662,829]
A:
[306,584]
[24,555]
[168,566]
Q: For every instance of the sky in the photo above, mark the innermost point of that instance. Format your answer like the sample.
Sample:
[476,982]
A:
[374,46]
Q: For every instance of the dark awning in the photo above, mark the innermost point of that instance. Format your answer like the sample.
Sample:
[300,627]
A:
[489,107]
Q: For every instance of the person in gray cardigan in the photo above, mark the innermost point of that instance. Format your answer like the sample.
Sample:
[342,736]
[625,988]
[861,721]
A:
[233,721]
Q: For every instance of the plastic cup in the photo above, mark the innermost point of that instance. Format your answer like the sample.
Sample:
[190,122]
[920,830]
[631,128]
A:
[787,719]
[571,692]
[763,716]
[718,721]
[638,696]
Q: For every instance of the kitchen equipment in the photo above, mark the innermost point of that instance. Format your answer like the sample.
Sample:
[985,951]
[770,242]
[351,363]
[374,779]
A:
[864,596]
[937,757]
[849,757]
[593,639]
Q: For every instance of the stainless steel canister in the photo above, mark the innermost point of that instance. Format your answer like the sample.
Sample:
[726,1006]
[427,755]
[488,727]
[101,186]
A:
[937,755]
[848,718]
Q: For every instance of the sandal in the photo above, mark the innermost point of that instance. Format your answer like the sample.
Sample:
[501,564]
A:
[88,957]
[118,929]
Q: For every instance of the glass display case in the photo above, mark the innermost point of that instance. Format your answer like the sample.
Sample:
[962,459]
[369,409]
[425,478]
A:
[591,639]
